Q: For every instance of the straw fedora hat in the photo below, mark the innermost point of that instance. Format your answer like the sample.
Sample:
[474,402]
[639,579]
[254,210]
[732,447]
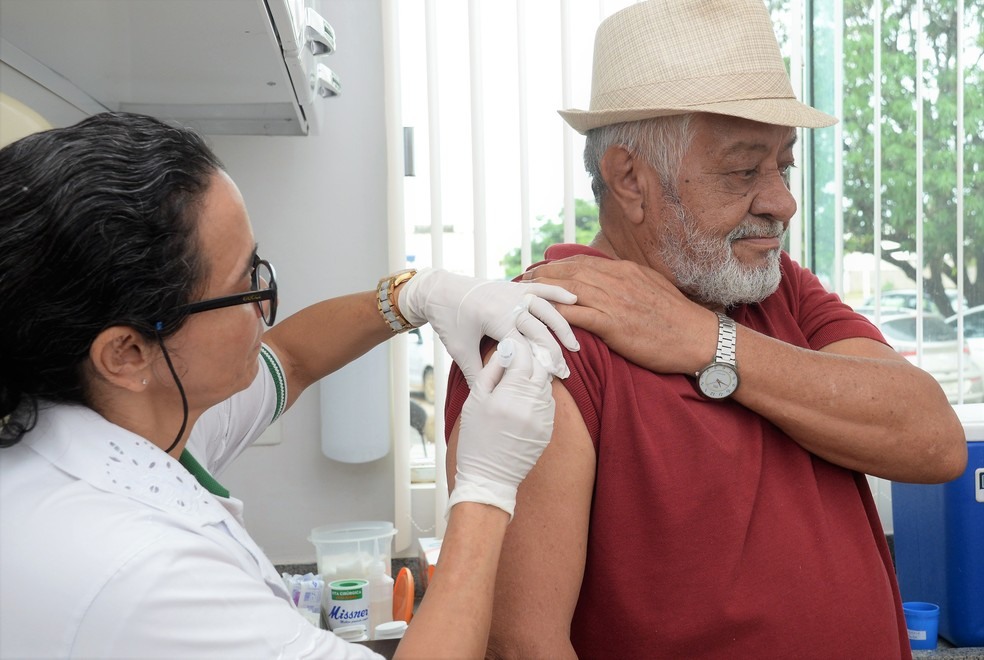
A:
[671,57]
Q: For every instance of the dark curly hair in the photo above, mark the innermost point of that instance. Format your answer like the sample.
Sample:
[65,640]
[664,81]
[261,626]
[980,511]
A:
[97,228]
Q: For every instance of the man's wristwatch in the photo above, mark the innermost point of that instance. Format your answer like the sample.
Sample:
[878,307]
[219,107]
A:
[719,379]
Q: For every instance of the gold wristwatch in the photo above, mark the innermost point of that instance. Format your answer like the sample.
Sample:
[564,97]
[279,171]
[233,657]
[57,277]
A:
[384,300]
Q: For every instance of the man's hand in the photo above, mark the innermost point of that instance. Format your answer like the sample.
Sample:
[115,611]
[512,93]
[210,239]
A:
[635,310]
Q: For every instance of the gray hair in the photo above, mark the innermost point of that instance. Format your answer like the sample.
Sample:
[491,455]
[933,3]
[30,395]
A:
[660,141]
[98,227]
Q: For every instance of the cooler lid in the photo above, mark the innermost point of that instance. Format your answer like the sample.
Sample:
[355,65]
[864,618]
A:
[972,417]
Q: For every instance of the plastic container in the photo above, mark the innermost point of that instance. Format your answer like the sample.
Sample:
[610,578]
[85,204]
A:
[355,633]
[390,630]
[380,596]
[347,550]
[939,540]
[922,622]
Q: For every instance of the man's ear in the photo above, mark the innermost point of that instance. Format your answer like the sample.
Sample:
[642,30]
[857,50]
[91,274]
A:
[121,356]
[625,182]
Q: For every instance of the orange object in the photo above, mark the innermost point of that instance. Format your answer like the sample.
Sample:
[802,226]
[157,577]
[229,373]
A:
[403,596]
[429,554]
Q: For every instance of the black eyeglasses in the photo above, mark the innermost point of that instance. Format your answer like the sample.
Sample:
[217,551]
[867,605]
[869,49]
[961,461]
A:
[263,292]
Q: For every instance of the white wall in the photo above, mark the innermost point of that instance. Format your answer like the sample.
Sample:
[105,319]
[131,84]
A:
[56,110]
[318,208]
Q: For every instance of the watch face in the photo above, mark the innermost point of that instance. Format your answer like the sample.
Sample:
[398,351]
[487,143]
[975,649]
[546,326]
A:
[718,381]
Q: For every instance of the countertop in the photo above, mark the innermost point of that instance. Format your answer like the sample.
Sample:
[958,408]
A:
[386,647]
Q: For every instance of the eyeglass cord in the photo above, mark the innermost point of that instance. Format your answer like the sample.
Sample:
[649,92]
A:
[177,381]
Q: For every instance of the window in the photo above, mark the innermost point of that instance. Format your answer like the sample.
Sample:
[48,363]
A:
[897,214]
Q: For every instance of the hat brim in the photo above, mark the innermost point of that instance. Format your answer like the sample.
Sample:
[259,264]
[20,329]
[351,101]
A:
[781,112]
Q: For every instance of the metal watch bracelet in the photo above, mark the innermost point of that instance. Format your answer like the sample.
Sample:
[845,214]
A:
[384,300]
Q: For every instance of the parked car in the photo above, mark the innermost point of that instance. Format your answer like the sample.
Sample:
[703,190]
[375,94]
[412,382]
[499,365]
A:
[973,331]
[940,351]
[904,299]
[420,352]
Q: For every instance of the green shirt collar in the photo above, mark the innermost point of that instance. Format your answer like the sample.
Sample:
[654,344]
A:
[207,481]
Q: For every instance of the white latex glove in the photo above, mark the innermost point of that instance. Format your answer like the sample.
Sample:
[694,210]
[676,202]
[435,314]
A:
[463,309]
[506,424]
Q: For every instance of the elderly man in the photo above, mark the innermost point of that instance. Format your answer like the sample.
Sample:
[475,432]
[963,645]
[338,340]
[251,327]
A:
[704,492]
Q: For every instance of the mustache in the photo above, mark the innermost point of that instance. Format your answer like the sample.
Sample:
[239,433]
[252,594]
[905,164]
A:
[749,229]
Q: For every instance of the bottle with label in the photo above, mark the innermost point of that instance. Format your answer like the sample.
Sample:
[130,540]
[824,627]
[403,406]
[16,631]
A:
[380,593]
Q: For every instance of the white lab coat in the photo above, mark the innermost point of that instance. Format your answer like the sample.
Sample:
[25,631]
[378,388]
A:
[110,548]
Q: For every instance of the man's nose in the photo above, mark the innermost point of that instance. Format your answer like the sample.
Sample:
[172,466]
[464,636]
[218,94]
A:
[773,200]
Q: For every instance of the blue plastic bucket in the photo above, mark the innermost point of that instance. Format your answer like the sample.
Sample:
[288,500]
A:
[922,621]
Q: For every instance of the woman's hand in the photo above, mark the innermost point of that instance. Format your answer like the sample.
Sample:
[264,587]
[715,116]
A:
[506,424]
[464,309]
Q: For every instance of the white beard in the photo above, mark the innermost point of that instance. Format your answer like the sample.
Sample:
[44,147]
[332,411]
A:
[707,270]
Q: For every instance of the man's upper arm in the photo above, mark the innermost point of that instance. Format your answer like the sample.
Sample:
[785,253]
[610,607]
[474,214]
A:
[543,553]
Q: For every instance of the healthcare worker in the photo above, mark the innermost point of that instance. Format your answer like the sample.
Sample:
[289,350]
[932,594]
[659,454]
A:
[134,351]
